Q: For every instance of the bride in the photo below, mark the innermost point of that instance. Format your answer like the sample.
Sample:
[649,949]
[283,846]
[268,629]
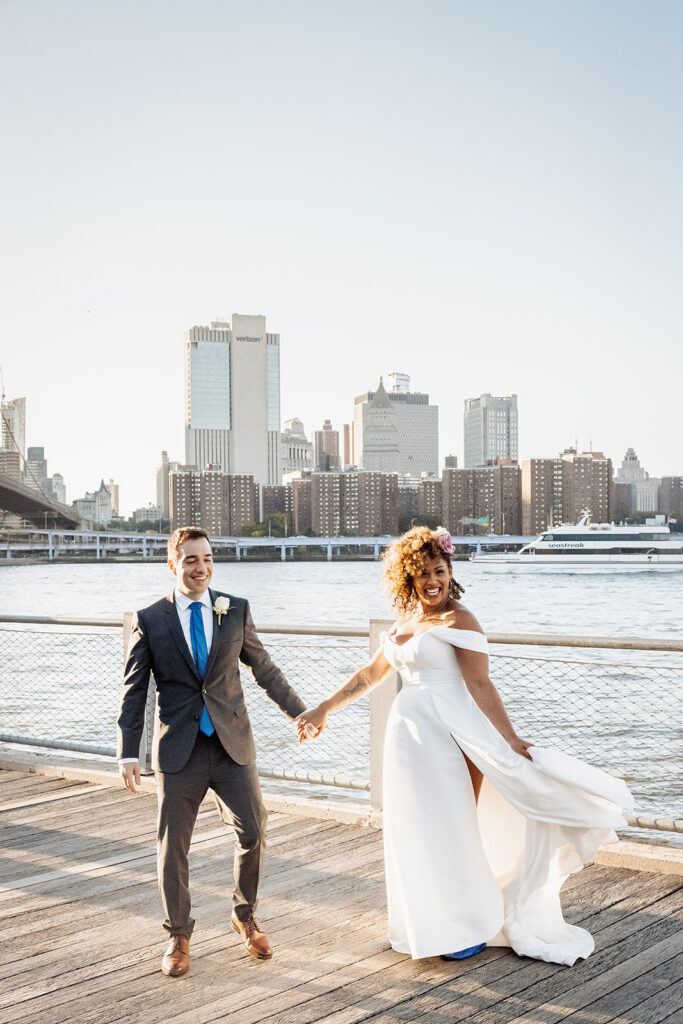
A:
[481,827]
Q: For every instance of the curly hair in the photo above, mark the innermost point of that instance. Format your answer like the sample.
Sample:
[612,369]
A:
[405,558]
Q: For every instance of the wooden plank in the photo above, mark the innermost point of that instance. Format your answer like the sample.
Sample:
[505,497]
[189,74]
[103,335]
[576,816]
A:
[657,989]
[88,899]
[59,793]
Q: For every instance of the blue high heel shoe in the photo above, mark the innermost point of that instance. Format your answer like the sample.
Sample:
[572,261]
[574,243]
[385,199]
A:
[464,954]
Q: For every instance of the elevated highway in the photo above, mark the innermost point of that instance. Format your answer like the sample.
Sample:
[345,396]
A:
[56,543]
[34,506]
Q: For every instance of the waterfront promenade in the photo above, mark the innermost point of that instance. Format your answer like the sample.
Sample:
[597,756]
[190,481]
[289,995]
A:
[82,939]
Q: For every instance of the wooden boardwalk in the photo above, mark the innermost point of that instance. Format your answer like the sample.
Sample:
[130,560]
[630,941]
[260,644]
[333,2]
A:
[81,937]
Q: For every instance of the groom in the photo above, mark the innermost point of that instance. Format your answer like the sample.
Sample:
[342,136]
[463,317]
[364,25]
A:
[203,738]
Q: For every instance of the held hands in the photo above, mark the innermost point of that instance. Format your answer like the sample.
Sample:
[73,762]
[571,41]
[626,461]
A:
[310,724]
[130,775]
[521,747]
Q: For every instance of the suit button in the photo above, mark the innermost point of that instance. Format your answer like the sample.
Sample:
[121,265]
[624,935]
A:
[196,718]
[204,692]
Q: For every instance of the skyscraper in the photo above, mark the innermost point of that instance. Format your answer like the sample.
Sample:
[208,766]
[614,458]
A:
[326,448]
[416,425]
[490,430]
[36,468]
[483,500]
[644,488]
[297,450]
[586,486]
[13,453]
[163,470]
[541,495]
[232,398]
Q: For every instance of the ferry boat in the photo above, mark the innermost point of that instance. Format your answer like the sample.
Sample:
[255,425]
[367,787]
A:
[600,545]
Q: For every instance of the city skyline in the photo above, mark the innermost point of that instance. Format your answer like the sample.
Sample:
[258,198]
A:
[445,461]
[489,203]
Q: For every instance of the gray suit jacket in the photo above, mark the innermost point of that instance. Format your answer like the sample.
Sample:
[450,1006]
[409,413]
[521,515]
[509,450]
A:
[158,646]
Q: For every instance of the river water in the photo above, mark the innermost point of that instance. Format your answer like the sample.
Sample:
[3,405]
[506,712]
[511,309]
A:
[620,710]
[644,604]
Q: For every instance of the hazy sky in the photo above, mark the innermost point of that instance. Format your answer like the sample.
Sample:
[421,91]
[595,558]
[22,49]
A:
[485,195]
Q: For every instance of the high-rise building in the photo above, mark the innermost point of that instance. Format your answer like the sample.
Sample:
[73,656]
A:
[586,486]
[276,498]
[10,463]
[408,500]
[671,500]
[36,468]
[355,503]
[406,443]
[221,503]
[302,505]
[622,506]
[163,469]
[55,489]
[490,430]
[326,449]
[326,504]
[297,450]
[483,500]
[114,491]
[232,398]
[376,425]
[13,452]
[644,488]
[348,445]
[377,503]
[14,425]
[541,495]
[430,498]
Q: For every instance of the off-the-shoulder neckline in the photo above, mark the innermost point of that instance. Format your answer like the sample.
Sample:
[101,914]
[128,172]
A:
[429,629]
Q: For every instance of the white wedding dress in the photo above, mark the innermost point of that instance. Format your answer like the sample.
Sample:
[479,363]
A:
[459,874]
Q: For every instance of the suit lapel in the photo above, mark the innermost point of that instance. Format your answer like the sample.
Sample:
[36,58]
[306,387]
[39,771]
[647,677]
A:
[228,624]
[176,631]
[216,629]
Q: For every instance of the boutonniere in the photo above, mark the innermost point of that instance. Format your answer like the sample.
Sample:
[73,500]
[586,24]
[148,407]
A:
[221,606]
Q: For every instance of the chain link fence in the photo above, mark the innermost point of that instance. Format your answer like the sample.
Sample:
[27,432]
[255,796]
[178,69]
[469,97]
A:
[61,687]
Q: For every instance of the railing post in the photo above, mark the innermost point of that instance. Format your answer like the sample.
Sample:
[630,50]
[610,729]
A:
[145,751]
[381,699]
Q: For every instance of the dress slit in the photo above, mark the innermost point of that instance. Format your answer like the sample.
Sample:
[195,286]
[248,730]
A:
[463,870]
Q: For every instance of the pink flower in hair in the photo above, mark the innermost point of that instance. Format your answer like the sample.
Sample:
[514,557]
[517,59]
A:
[444,540]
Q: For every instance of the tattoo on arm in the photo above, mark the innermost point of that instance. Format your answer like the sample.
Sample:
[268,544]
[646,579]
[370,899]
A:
[357,686]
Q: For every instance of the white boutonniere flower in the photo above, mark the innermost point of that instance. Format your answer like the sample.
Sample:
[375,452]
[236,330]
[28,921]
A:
[221,606]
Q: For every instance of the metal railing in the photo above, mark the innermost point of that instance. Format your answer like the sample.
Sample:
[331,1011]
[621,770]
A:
[60,686]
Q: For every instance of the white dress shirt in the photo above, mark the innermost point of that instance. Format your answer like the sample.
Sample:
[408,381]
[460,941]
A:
[182,603]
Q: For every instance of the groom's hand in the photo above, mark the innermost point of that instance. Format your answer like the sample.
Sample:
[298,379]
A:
[130,775]
[310,724]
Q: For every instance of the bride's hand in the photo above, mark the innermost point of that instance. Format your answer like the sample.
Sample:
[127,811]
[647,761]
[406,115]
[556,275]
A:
[521,747]
[310,724]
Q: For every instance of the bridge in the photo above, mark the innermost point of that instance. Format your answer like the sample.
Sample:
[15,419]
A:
[34,506]
[56,543]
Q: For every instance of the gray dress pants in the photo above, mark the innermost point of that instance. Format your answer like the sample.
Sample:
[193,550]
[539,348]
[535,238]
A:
[238,798]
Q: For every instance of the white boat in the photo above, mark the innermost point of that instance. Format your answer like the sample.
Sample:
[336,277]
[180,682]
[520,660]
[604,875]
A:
[602,546]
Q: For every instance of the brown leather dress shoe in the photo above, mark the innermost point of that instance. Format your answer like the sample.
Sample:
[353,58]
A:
[177,957]
[255,939]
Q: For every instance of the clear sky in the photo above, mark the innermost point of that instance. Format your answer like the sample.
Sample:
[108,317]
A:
[484,195]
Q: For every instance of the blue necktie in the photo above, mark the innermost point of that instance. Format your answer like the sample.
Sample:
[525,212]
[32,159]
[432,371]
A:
[201,656]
